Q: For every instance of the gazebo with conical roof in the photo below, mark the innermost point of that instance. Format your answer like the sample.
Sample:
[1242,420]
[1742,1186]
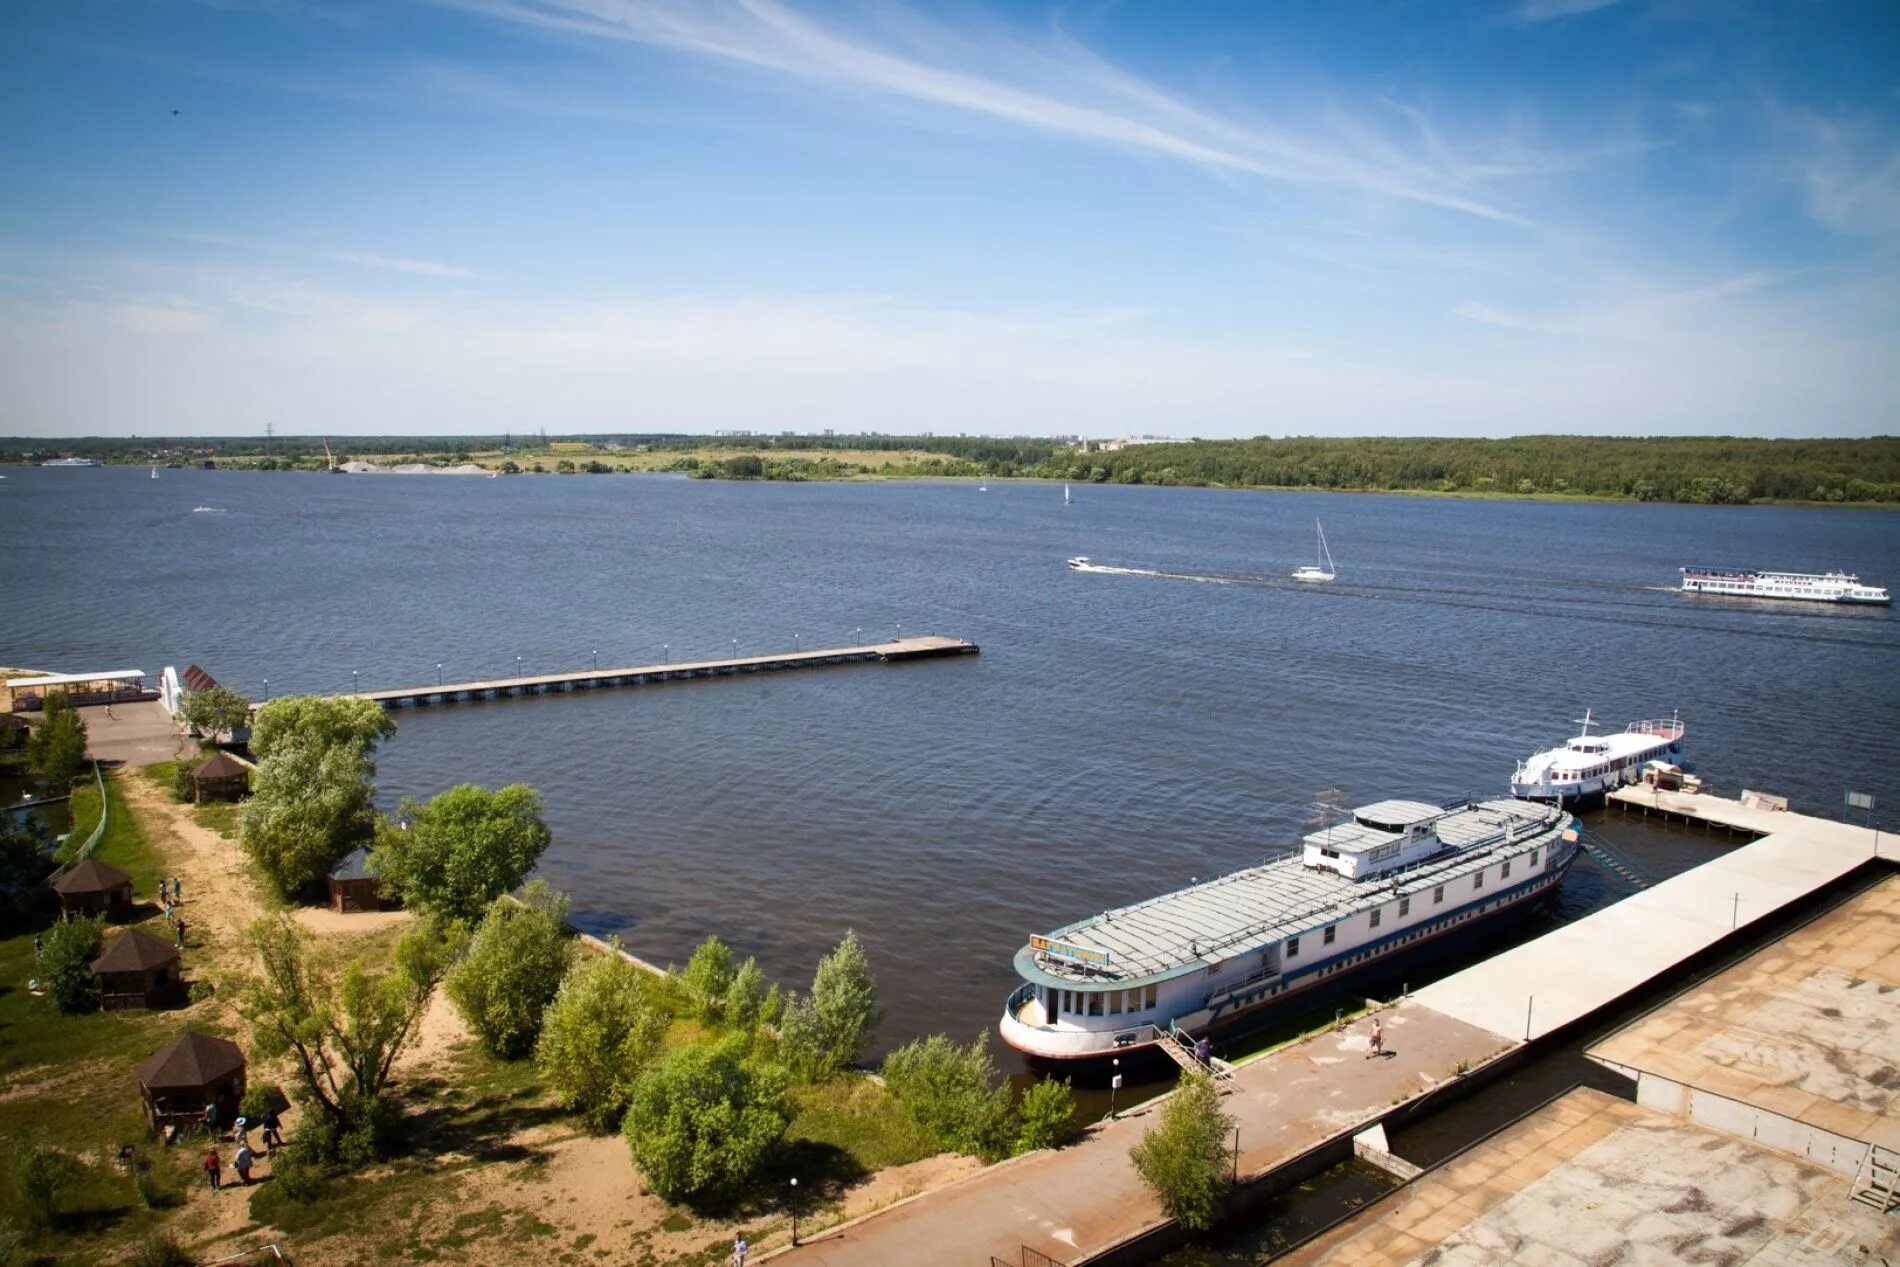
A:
[137,970]
[220,777]
[94,887]
[195,1070]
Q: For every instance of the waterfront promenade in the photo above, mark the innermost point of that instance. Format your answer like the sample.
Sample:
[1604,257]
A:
[1083,1201]
[924,647]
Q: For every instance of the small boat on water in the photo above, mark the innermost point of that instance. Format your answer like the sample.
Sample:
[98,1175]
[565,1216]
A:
[1080,563]
[1355,896]
[1068,498]
[1323,569]
[1810,587]
[155,472]
[1585,768]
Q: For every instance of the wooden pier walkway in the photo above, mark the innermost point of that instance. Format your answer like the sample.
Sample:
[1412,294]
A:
[924,647]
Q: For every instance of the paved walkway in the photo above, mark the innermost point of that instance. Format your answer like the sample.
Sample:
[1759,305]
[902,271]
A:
[1084,1199]
[141,733]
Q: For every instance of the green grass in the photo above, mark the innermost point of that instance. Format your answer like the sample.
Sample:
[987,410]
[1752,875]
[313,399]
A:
[857,1116]
[219,816]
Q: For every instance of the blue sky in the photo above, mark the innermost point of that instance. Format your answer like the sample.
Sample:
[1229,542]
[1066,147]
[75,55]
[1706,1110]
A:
[1412,217]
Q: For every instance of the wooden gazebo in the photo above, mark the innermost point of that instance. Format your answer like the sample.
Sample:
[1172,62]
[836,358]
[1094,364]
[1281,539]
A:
[192,1072]
[94,888]
[137,970]
[352,885]
[220,777]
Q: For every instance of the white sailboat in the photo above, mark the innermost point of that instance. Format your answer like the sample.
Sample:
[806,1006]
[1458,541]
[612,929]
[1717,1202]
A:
[1323,570]
[1068,498]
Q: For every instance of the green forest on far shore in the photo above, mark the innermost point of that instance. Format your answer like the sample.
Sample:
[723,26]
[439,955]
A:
[1718,470]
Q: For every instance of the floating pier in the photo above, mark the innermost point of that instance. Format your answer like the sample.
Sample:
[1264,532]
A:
[926,647]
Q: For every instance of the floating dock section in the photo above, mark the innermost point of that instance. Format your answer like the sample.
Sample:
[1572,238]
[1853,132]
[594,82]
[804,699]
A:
[926,647]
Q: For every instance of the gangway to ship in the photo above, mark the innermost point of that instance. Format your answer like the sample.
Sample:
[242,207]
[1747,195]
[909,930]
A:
[1612,860]
[1178,1044]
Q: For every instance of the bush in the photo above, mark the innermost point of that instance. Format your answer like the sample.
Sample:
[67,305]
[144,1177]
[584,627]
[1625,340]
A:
[296,1174]
[463,849]
[953,1092]
[1183,1157]
[42,1176]
[707,975]
[598,1037]
[66,962]
[702,1122]
[746,996]
[1047,1111]
[57,746]
[843,1005]
[262,1098]
[513,967]
[183,789]
[158,1249]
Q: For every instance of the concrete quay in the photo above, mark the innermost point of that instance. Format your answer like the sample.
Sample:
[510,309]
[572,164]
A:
[924,647]
[1761,1095]
[1298,1108]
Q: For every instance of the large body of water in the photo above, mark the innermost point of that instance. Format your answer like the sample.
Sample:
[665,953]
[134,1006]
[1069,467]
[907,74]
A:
[1117,737]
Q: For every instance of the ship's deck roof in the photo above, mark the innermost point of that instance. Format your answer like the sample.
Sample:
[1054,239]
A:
[1210,922]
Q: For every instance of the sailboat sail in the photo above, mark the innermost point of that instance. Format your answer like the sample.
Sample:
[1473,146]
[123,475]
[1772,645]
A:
[1322,570]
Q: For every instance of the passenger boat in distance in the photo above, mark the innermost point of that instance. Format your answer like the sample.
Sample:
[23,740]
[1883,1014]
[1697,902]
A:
[1805,587]
[1588,766]
[1355,895]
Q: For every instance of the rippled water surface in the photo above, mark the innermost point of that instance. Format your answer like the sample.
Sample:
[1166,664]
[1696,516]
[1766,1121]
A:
[1118,735]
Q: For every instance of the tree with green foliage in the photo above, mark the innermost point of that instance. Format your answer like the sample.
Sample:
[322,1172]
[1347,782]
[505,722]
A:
[844,1000]
[24,862]
[342,1030]
[322,722]
[954,1093]
[42,1176]
[745,996]
[514,965]
[707,976]
[66,957]
[1047,1112]
[1183,1157]
[216,710]
[597,1038]
[462,850]
[310,805]
[703,1122]
[57,746]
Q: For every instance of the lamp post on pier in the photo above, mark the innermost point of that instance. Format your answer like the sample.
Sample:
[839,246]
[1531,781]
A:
[666,654]
[352,681]
[517,666]
[267,689]
[438,673]
[596,659]
[735,648]
[794,1211]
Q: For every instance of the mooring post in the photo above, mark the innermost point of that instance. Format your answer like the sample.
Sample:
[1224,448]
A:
[1735,915]
[1529,999]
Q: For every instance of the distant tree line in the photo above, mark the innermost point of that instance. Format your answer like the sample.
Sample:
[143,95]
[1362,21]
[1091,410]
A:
[1722,470]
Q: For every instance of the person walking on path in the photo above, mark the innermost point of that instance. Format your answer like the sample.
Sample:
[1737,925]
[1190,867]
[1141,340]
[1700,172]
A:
[1376,1045]
[211,1118]
[178,890]
[739,1251]
[242,1163]
[272,1132]
[211,1168]
[179,928]
[1201,1050]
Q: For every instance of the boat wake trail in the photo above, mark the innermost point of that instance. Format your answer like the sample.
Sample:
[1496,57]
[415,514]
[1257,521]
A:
[1105,570]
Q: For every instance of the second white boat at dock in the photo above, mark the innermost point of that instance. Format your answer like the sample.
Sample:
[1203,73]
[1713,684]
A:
[1585,768]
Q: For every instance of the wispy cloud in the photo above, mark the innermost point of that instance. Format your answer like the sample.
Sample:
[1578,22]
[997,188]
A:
[1550,10]
[422,268]
[1080,95]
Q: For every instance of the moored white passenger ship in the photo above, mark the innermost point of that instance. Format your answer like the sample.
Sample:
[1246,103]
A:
[1358,894]
[1588,766]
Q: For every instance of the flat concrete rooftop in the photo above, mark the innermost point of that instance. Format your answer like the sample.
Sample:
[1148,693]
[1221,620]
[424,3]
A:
[1807,1029]
[1594,1179]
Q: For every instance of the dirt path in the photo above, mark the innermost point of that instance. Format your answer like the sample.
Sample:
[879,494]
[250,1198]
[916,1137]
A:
[220,897]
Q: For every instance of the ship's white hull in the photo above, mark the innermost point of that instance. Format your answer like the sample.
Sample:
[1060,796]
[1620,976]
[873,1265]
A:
[1189,1007]
[1878,598]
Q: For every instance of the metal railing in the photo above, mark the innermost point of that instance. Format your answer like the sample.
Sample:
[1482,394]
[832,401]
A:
[84,851]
